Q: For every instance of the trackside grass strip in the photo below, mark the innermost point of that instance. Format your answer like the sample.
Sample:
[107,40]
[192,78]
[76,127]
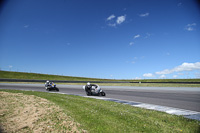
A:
[109,117]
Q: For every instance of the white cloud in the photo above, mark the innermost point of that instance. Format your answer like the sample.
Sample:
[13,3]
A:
[166,71]
[190,27]
[136,36]
[131,43]
[112,22]
[183,67]
[148,75]
[162,76]
[111,17]
[137,78]
[175,76]
[121,19]
[144,15]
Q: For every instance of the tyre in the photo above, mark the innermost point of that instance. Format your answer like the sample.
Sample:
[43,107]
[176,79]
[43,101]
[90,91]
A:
[88,94]
[103,93]
[46,88]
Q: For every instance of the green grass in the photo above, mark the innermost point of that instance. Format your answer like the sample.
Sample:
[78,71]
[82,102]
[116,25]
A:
[110,117]
[36,76]
[22,75]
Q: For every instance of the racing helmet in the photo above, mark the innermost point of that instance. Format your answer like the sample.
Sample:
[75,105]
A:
[88,83]
[47,81]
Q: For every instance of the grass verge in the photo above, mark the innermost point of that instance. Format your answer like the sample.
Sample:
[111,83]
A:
[105,116]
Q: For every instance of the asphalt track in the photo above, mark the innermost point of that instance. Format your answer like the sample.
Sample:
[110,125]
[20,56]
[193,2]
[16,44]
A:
[177,97]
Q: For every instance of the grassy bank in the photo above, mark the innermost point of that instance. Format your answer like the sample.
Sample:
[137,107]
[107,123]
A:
[22,75]
[29,113]
[104,116]
[36,76]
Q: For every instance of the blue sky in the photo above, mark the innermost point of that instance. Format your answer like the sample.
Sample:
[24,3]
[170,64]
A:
[122,39]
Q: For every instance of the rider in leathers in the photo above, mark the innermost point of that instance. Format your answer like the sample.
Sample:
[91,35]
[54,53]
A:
[88,87]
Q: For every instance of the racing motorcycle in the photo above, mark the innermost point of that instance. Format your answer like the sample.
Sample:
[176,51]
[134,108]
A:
[51,86]
[95,90]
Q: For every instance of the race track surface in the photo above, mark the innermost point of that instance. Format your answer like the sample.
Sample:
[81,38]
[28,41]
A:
[176,97]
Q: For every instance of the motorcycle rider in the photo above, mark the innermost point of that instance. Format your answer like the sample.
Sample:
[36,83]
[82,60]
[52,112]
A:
[88,87]
[47,82]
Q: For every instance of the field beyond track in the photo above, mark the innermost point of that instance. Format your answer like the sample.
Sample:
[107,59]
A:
[160,82]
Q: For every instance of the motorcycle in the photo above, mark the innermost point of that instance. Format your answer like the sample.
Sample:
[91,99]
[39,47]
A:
[51,86]
[94,90]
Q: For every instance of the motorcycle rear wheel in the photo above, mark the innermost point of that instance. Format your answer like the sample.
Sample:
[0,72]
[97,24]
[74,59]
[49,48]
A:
[103,94]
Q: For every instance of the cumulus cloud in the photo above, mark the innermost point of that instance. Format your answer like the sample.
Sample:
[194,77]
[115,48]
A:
[190,27]
[121,19]
[144,14]
[111,17]
[148,75]
[183,67]
[136,36]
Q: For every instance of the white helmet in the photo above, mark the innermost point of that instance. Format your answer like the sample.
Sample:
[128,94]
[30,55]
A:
[47,81]
[88,83]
